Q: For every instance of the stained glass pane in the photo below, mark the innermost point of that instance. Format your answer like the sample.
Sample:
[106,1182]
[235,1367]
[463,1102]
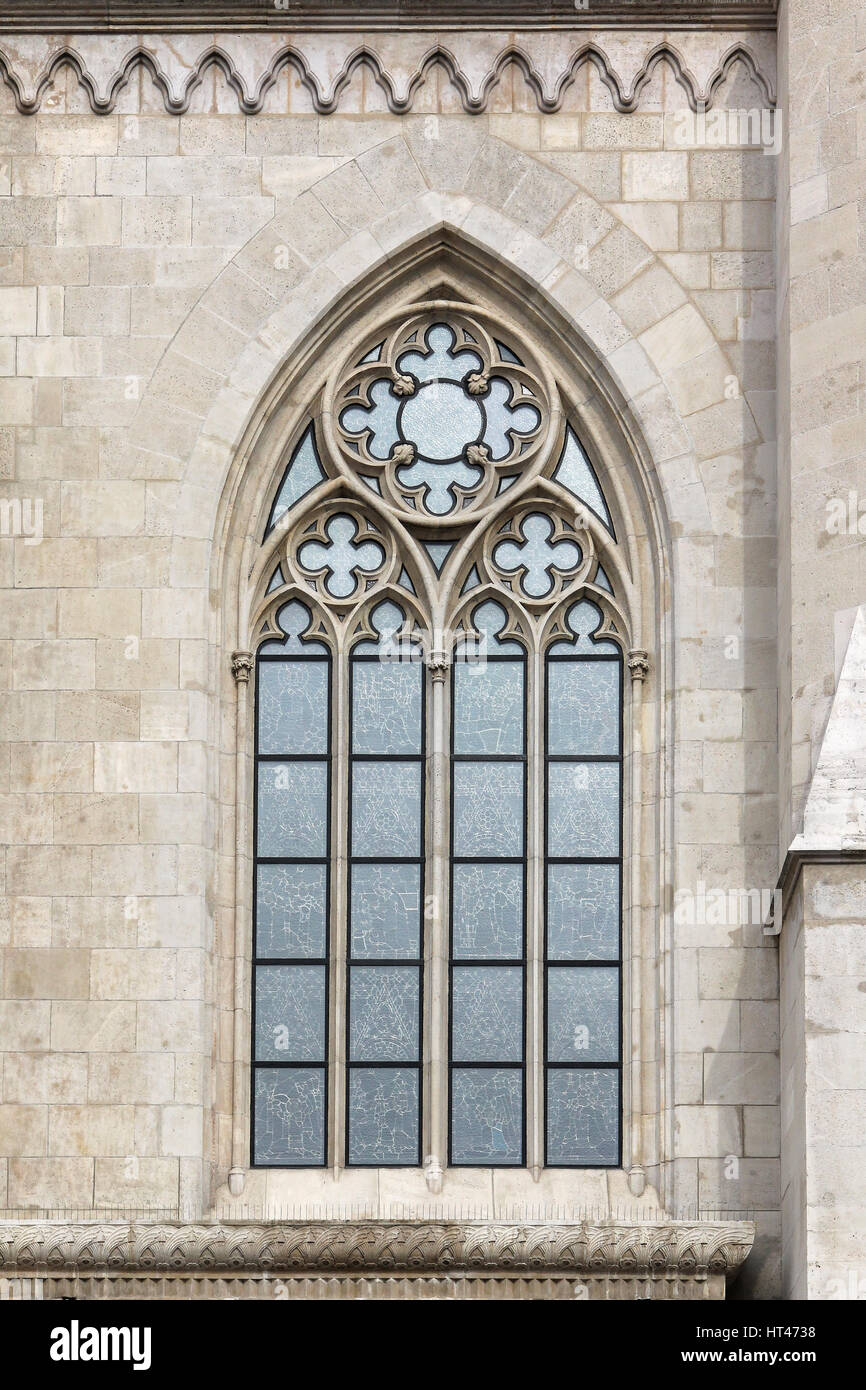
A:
[292,810]
[386,810]
[289,1116]
[487,1004]
[290,1013]
[295,619]
[383,1013]
[386,910]
[583,620]
[582,1117]
[575,472]
[583,1014]
[583,911]
[488,707]
[290,909]
[583,810]
[386,707]
[488,809]
[488,911]
[583,707]
[486,1116]
[383,1116]
[303,474]
[293,707]
[440,419]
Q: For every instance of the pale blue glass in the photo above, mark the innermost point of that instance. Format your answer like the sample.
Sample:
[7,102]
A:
[386,706]
[343,558]
[303,473]
[440,419]
[583,1013]
[383,1116]
[438,552]
[487,911]
[386,911]
[294,618]
[293,707]
[488,810]
[488,707]
[386,619]
[583,619]
[582,1118]
[293,810]
[486,1117]
[537,554]
[438,358]
[583,707]
[384,1003]
[290,910]
[583,810]
[437,479]
[583,905]
[488,620]
[290,1013]
[386,810]
[487,1013]
[504,415]
[380,419]
[289,1123]
[575,473]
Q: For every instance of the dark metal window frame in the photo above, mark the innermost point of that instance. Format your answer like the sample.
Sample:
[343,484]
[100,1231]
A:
[501,658]
[351,961]
[575,760]
[260,758]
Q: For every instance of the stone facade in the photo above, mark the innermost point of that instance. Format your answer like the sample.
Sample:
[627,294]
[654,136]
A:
[187,220]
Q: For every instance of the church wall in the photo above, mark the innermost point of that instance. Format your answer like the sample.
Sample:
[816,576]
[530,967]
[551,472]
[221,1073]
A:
[147,253]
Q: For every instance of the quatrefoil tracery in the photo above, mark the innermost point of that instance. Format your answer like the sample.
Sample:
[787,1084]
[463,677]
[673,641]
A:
[538,554]
[340,554]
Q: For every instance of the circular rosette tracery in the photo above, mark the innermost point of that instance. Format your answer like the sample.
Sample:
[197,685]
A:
[440,413]
[341,554]
[538,555]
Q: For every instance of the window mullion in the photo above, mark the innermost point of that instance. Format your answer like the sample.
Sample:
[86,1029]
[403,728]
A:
[436,923]
[535,916]
[338,915]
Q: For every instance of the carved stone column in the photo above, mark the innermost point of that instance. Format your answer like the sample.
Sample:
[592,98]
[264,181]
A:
[242,668]
[638,665]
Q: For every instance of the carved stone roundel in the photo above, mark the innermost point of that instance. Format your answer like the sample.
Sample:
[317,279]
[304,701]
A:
[438,411]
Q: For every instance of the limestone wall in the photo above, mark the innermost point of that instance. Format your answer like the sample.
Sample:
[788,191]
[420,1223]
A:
[159,268]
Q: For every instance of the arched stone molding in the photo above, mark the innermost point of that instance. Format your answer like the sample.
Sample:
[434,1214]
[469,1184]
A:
[626,408]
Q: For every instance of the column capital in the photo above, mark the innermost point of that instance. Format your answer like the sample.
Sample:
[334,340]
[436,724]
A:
[638,664]
[242,665]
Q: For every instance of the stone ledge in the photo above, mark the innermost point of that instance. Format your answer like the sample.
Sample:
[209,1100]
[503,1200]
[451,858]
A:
[606,1253]
[112,16]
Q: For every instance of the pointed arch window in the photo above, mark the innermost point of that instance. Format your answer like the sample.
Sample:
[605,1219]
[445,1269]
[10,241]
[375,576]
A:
[439,714]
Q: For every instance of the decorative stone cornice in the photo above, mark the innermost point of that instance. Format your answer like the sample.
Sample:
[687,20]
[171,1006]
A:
[369,1248]
[475,63]
[107,16]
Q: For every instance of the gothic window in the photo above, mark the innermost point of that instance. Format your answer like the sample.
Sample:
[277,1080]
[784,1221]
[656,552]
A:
[438,790]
